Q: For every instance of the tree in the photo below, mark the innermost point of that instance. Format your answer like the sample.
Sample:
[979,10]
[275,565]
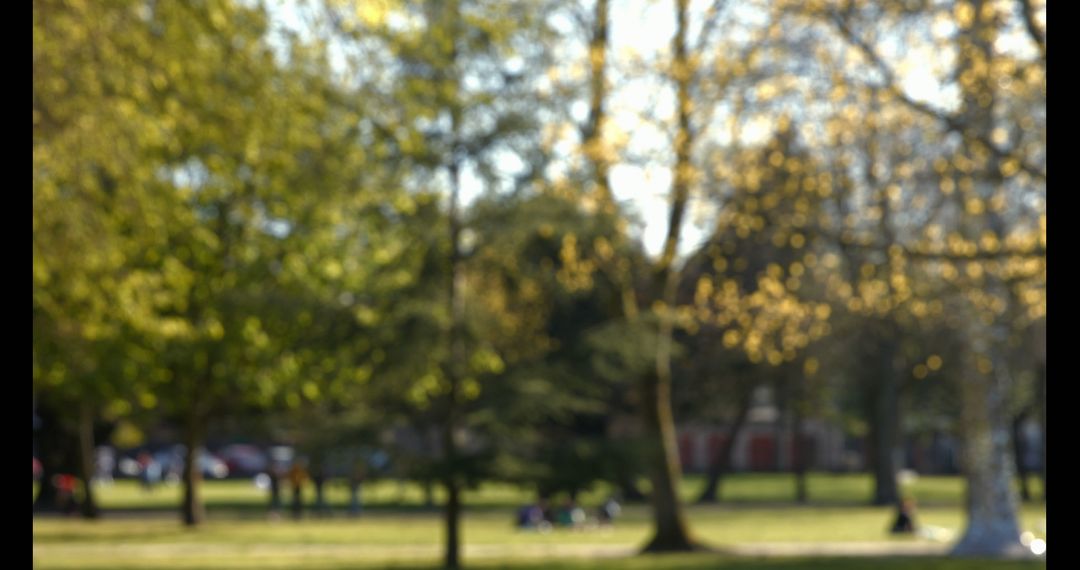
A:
[207,163]
[702,77]
[750,283]
[983,195]
[94,129]
[567,365]
[452,79]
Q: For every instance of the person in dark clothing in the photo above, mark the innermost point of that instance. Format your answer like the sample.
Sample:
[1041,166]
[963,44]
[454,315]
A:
[530,517]
[608,511]
[275,488]
[905,517]
[318,479]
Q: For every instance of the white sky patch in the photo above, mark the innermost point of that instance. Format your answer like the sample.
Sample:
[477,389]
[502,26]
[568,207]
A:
[921,84]
[471,185]
[641,31]
[644,192]
[645,25]
[642,27]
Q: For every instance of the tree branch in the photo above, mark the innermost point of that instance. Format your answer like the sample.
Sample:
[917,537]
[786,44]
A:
[951,122]
[1028,13]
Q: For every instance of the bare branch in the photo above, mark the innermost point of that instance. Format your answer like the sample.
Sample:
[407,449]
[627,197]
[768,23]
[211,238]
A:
[711,17]
[951,121]
[847,242]
[1039,36]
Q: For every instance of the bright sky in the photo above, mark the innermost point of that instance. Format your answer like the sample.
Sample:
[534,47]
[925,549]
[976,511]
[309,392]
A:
[646,27]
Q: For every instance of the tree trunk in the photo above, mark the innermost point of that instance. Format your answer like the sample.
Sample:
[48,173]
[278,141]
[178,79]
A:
[592,132]
[992,529]
[799,451]
[671,531]
[457,353]
[885,427]
[192,509]
[429,493]
[991,498]
[275,489]
[801,494]
[86,460]
[456,365]
[721,463]
[455,371]
[780,425]
[1018,455]
[452,558]
[452,513]
[1042,424]
[320,498]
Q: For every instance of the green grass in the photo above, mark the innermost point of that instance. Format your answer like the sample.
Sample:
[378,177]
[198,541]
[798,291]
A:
[665,562]
[757,488]
[719,525]
[143,530]
[387,539]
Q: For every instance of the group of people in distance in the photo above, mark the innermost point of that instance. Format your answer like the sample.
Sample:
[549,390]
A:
[542,517]
[297,475]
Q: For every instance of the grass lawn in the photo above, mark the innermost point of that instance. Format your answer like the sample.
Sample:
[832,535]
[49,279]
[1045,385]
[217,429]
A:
[395,532]
[387,540]
[738,489]
[307,561]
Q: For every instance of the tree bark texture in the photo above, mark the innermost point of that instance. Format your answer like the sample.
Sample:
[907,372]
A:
[986,458]
[192,509]
[885,426]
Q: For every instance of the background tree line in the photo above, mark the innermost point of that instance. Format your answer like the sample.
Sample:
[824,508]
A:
[407,213]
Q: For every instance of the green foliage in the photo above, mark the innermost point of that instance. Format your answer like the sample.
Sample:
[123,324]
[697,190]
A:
[235,213]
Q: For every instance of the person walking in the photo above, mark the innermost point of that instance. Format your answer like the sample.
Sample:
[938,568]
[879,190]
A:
[297,478]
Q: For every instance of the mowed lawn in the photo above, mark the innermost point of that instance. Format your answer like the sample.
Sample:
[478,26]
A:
[396,532]
[737,489]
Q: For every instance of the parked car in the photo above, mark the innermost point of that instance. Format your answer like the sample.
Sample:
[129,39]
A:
[212,466]
[170,460]
[244,460]
[281,456]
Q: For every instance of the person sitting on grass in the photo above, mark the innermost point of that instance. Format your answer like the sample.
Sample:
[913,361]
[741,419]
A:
[571,515]
[532,517]
[529,516]
[607,512]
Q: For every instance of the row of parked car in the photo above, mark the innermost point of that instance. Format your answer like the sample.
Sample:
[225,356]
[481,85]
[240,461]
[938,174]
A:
[239,460]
